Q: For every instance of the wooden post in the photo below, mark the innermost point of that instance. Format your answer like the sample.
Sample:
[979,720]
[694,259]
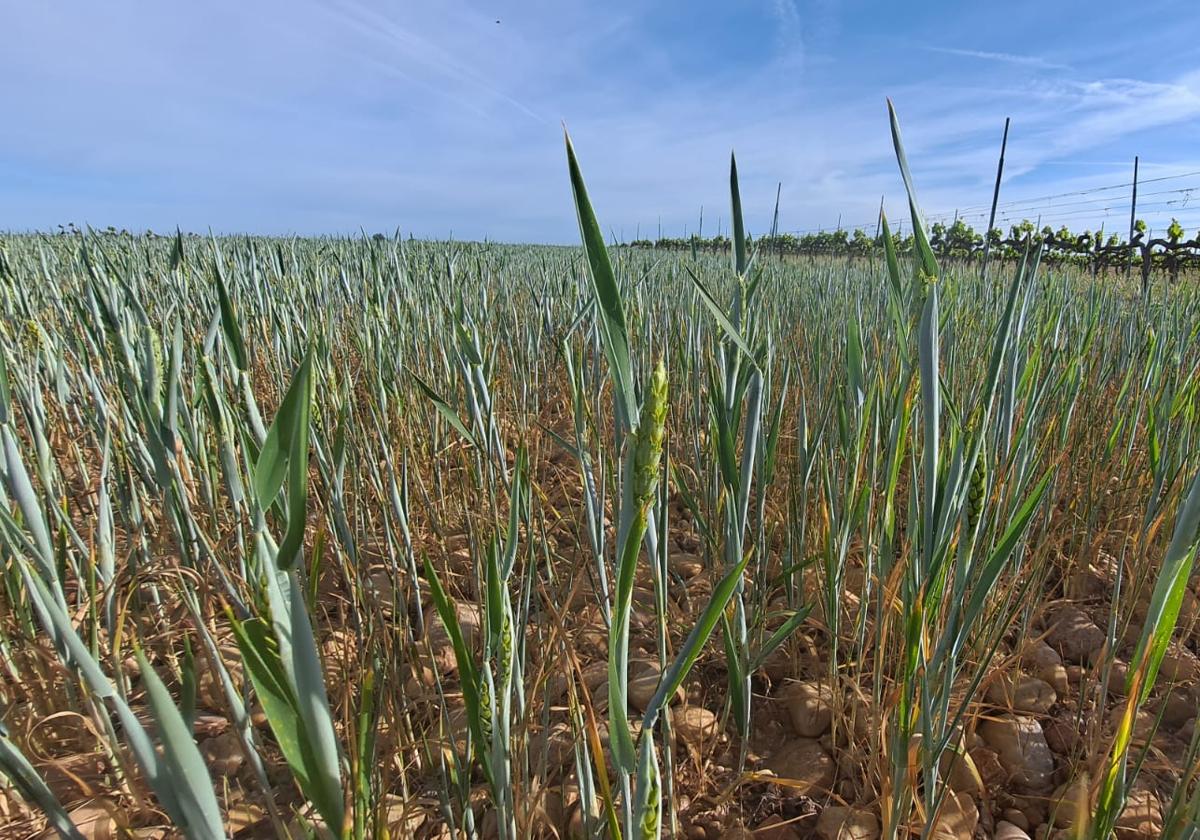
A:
[1132,218]
[987,235]
[775,223]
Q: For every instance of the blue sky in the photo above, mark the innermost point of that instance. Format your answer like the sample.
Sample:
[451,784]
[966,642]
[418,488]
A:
[328,117]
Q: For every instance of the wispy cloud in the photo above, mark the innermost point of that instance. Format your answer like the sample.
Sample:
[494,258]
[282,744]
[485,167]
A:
[1033,61]
[408,48]
[316,116]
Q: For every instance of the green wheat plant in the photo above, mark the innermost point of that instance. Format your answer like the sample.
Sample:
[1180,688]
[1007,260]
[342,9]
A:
[364,536]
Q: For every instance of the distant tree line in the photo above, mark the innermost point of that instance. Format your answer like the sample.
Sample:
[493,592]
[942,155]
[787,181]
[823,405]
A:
[959,241]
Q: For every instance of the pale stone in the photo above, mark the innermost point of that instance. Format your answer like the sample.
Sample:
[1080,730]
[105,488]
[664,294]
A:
[1066,801]
[1020,693]
[1022,750]
[1009,831]
[840,823]
[694,725]
[775,827]
[403,818]
[803,766]
[810,706]
[223,754]
[1141,818]
[957,819]
[1073,634]
[439,638]
[1179,664]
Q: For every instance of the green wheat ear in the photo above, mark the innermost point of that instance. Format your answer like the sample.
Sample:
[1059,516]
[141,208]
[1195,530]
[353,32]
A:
[649,438]
[977,488]
[649,783]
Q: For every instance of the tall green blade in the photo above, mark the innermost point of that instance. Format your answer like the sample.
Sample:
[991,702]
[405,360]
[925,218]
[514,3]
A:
[33,788]
[260,653]
[229,321]
[284,455]
[185,766]
[1169,589]
[607,294]
[686,658]
[926,261]
[740,260]
[313,705]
